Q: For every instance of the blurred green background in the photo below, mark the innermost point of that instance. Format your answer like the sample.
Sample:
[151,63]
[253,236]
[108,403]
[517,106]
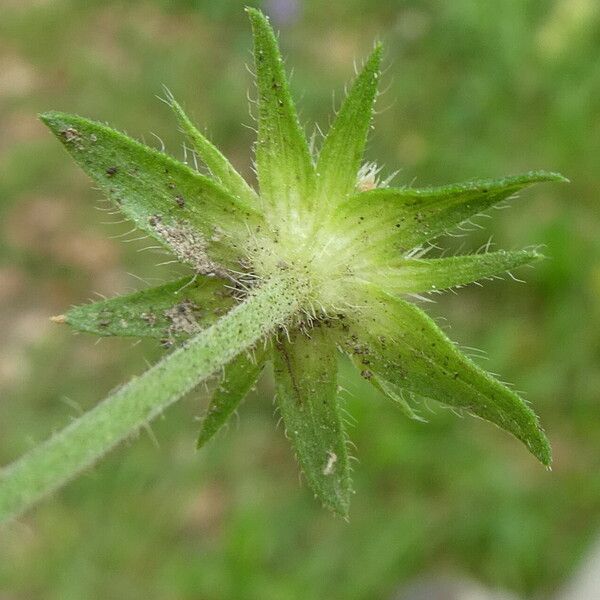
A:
[473,89]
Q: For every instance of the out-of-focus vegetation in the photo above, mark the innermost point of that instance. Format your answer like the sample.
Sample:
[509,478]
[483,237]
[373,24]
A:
[474,89]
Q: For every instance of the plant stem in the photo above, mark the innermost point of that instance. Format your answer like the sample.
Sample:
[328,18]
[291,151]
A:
[79,445]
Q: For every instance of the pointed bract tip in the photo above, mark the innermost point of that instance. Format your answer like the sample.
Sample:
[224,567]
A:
[545,458]
[59,319]
[47,117]
[255,13]
[54,119]
[540,448]
[259,22]
[340,508]
[202,439]
[377,58]
[169,97]
[378,47]
[52,115]
[553,176]
[535,255]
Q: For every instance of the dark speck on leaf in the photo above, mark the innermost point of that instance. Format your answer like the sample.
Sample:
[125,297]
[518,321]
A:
[180,201]
[111,171]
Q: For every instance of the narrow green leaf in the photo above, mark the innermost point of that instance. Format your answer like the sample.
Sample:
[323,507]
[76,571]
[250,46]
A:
[344,145]
[195,217]
[388,222]
[285,171]
[170,312]
[239,377]
[305,376]
[217,164]
[411,275]
[405,347]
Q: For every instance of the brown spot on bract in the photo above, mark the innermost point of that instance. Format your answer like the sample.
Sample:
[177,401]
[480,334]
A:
[70,134]
[182,318]
[187,244]
[149,318]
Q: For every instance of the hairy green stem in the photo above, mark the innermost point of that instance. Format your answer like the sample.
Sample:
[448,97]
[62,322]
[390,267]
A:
[80,444]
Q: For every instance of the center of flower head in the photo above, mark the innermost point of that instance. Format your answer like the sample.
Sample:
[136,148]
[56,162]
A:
[314,252]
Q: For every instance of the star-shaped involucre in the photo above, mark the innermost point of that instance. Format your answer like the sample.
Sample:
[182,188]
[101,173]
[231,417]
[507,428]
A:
[327,254]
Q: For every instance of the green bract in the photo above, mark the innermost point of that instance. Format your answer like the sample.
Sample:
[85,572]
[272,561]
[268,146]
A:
[320,260]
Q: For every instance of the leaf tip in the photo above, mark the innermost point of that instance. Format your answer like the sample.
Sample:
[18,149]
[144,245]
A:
[49,118]
[61,124]
[47,115]
[550,176]
[261,26]
[255,14]
[559,177]
[544,453]
[339,505]
[377,49]
[533,255]
[373,63]
[204,436]
[177,109]
[538,444]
